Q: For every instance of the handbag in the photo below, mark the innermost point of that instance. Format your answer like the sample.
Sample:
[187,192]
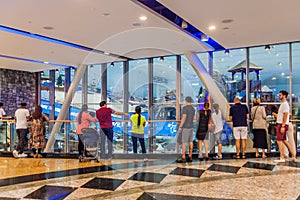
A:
[211,127]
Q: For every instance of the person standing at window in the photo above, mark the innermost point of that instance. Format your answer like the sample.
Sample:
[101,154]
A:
[21,116]
[216,117]
[204,118]
[239,114]
[103,115]
[138,123]
[83,120]
[258,114]
[282,127]
[187,128]
[37,135]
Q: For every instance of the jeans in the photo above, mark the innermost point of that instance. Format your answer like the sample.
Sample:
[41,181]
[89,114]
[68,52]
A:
[22,133]
[142,143]
[109,134]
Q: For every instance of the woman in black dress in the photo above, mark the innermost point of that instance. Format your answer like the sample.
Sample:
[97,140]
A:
[204,118]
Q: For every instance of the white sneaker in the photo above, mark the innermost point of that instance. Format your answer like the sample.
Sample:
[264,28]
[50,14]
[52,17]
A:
[23,155]
[15,154]
[218,157]
[280,160]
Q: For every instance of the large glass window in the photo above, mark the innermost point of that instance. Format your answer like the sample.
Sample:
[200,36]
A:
[191,84]
[229,73]
[115,101]
[94,87]
[269,71]
[45,83]
[138,93]
[164,106]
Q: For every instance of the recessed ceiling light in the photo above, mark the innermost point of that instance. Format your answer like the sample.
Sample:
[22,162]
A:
[211,28]
[106,53]
[225,21]
[143,18]
[136,24]
[48,27]
[46,62]
[106,14]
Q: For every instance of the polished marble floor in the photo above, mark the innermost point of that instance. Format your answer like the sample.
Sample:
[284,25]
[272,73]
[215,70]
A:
[29,178]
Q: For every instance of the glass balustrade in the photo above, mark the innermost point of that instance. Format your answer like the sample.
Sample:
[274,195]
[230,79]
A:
[160,140]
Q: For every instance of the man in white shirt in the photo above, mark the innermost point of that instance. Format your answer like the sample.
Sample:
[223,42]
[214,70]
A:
[2,112]
[282,127]
[21,117]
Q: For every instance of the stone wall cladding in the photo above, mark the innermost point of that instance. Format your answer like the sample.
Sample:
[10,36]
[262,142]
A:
[16,87]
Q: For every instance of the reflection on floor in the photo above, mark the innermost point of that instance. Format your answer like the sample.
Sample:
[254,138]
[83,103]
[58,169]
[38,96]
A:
[29,178]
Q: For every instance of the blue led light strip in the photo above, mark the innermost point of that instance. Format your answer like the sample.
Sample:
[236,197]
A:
[35,61]
[177,20]
[60,42]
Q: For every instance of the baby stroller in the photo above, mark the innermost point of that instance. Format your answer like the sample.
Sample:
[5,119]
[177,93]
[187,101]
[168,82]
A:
[90,139]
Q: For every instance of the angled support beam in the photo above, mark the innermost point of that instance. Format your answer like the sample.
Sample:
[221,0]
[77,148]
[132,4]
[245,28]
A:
[209,83]
[65,107]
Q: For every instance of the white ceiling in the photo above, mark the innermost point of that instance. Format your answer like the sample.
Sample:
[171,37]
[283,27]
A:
[83,22]
[255,22]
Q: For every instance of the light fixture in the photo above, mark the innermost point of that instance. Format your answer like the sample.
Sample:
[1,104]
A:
[204,38]
[211,28]
[106,53]
[112,64]
[143,18]
[184,24]
[227,51]
[161,58]
[267,47]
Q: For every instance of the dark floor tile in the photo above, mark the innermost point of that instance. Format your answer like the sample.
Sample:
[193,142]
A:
[187,172]
[51,192]
[291,164]
[50,175]
[224,168]
[103,183]
[259,166]
[151,196]
[148,177]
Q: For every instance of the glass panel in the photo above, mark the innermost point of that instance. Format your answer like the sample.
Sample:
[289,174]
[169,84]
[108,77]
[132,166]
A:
[190,82]
[269,74]
[45,83]
[94,87]
[229,73]
[138,93]
[77,99]
[115,101]
[59,90]
[296,90]
[164,107]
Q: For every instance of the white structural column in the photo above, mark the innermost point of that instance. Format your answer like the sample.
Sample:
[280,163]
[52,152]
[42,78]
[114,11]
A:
[65,107]
[209,83]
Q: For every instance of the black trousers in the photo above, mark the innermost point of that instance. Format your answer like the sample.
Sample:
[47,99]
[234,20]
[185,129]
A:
[80,146]
[22,133]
